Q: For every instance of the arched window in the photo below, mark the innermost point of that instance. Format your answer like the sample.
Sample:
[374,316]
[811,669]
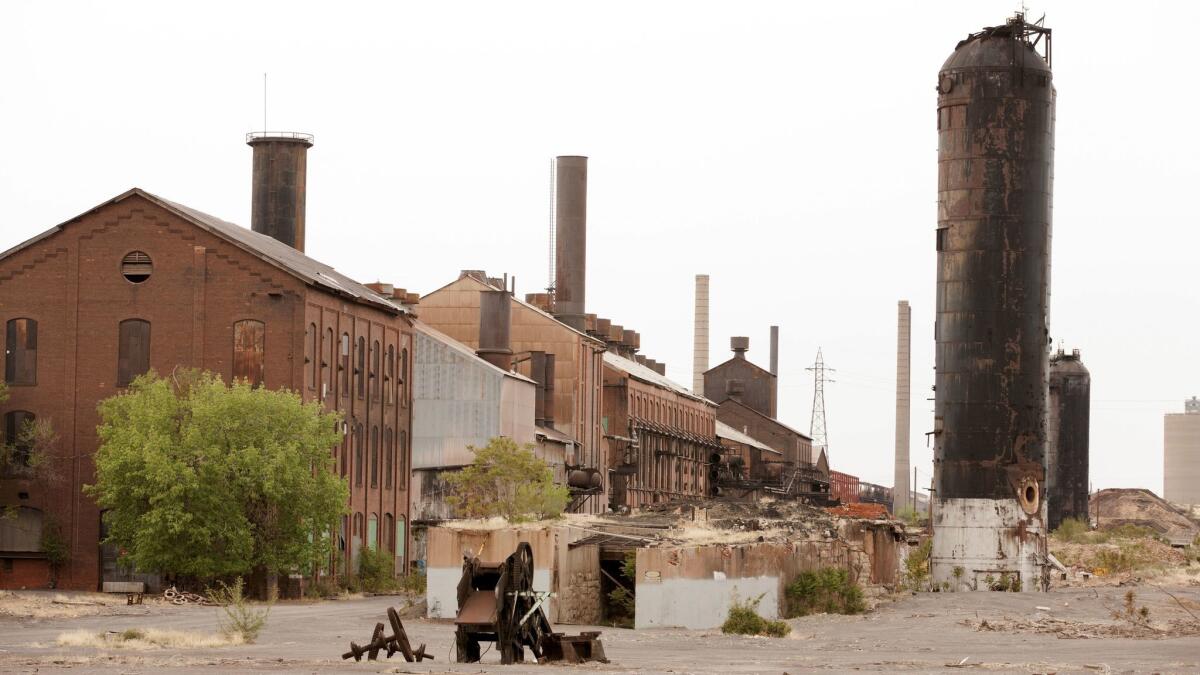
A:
[374,456]
[18,429]
[345,364]
[358,454]
[401,540]
[389,455]
[20,352]
[375,370]
[249,351]
[389,533]
[327,363]
[310,355]
[344,451]
[133,350]
[373,532]
[360,367]
[403,384]
[402,468]
[389,375]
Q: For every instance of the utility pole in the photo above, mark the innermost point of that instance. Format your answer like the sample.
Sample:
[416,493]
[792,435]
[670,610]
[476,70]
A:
[817,428]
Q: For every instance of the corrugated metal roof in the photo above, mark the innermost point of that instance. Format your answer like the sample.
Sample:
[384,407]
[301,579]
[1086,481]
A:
[554,435]
[466,351]
[765,417]
[726,431]
[649,375]
[277,253]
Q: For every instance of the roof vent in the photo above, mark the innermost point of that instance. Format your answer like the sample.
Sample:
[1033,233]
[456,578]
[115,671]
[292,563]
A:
[136,267]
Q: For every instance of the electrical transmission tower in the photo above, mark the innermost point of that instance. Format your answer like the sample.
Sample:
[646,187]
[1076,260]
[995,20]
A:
[817,428]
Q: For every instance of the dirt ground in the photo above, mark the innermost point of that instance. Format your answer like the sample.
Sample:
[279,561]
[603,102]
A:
[930,632]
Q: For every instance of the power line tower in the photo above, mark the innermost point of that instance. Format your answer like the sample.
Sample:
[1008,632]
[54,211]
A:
[816,428]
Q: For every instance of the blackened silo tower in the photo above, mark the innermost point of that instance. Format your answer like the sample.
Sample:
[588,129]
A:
[1067,425]
[279,183]
[995,176]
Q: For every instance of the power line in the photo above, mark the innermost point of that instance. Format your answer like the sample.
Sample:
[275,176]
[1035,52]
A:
[817,428]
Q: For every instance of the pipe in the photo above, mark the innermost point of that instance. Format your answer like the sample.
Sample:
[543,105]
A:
[495,327]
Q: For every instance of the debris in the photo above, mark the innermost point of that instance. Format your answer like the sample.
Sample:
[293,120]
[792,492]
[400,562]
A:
[396,642]
[178,597]
[1042,609]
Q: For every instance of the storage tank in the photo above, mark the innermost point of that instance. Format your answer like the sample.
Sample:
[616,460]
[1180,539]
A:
[995,126]
[1067,427]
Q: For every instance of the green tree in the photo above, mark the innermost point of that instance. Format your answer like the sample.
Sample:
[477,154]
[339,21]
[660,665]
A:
[208,480]
[506,480]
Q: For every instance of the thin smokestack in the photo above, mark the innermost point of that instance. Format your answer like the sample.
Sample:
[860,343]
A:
[901,496]
[279,183]
[700,335]
[775,351]
[495,326]
[570,240]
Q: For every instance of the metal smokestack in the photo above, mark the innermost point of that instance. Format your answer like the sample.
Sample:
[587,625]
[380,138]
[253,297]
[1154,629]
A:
[495,326]
[700,335]
[901,490]
[549,383]
[775,351]
[570,240]
[279,182]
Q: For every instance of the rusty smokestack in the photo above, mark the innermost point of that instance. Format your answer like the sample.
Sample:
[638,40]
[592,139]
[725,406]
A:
[700,335]
[278,185]
[495,327]
[775,351]
[570,240]
[549,379]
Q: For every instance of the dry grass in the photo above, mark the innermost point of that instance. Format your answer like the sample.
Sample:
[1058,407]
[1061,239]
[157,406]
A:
[44,605]
[149,638]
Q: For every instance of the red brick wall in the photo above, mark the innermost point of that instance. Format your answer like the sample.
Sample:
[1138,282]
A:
[26,573]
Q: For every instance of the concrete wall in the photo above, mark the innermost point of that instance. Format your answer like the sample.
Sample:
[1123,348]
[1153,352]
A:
[1181,458]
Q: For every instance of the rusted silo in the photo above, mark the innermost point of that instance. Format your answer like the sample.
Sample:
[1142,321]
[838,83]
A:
[279,181]
[995,167]
[1067,425]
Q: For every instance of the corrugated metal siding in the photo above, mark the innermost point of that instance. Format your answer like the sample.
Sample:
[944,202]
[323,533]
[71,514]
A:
[456,403]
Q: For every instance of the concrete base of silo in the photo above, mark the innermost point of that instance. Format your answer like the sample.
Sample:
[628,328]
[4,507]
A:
[988,544]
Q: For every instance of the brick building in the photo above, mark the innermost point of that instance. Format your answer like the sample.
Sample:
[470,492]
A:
[742,380]
[140,282]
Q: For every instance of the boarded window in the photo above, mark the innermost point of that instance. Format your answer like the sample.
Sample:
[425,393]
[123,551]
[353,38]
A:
[327,363]
[403,377]
[373,532]
[389,457]
[402,461]
[310,355]
[358,454]
[345,364]
[249,351]
[389,533]
[360,367]
[345,456]
[374,456]
[375,370]
[18,428]
[133,350]
[21,532]
[20,352]
[389,375]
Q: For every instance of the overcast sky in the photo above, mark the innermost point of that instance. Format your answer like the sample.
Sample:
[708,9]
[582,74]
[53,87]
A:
[787,149]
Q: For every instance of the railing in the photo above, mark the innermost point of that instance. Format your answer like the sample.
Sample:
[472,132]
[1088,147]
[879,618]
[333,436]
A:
[292,135]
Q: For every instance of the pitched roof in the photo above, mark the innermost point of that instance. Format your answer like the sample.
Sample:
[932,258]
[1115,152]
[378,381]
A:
[286,258]
[765,417]
[649,376]
[744,360]
[518,301]
[728,432]
[463,350]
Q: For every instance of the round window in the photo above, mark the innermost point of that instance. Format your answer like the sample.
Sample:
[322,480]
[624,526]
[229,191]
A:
[136,267]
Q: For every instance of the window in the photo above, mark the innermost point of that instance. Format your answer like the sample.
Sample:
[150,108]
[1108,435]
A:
[310,355]
[360,366]
[402,480]
[403,377]
[389,375]
[133,350]
[17,427]
[21,531]
[249,337]
[389,532]
[136,267]
[374,456]
[358,454]
[401,540]
[345,456]
[374,377]
[327,363]
[20,352]
[373,532]
[389,457]
[345,365]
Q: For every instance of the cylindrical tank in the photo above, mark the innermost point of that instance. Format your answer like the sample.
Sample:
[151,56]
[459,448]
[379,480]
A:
[995,158]
[495,326]
[1067,424]
[277,202]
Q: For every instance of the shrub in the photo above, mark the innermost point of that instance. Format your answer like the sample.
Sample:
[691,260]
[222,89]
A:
[506,480]
[743,619]
[237,616]
[1074,530]
[916,566]
[827,590]
[377,570]
[909,516]
[414,583]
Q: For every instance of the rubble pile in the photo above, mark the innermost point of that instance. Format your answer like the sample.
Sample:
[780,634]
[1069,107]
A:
[1114,507]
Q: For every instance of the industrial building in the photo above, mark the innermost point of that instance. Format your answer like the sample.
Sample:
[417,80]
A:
[995,122]
[1067,436]
[1181,454]
[141,282]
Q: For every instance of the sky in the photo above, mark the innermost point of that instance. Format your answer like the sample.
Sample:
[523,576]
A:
[786,149]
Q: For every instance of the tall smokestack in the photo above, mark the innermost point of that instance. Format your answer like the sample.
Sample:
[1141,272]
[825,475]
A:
[570,240]
[279,180]
[495,325]
[775,350]
[901,490]
[700,335]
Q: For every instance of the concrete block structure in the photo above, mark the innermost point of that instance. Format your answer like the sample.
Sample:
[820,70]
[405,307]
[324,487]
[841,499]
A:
[1181,454]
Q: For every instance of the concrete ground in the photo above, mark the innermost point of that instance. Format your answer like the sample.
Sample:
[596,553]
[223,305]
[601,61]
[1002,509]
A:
[923,633]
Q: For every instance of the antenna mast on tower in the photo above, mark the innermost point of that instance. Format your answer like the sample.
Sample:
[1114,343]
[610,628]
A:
[816,428]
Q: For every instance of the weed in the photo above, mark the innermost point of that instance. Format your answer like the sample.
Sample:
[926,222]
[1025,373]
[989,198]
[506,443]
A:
[1129,611]
[377,570]
[827,590]
[240,617]
[916,566]
[909,516]
[744,619]
[414,583]
[150,638]
[133,634]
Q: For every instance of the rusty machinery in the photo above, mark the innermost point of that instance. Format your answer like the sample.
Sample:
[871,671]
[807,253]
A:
[396,642]
[497,603]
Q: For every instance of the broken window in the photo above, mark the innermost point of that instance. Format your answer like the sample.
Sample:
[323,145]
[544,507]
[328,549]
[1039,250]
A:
[20,352]
[345,365]
[327,363]
[18,429]
[389,375]
[133,350]
[249,350]
[941,238]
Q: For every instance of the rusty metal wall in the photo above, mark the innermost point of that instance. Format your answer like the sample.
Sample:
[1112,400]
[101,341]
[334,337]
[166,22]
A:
[1067,445]
[570,240]
[279,182]
[995,167]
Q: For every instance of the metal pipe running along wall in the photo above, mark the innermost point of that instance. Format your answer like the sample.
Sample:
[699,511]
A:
[995,169]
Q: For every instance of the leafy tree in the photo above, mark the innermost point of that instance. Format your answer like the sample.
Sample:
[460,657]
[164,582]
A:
[209,480]
[29,454]
[506,480]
